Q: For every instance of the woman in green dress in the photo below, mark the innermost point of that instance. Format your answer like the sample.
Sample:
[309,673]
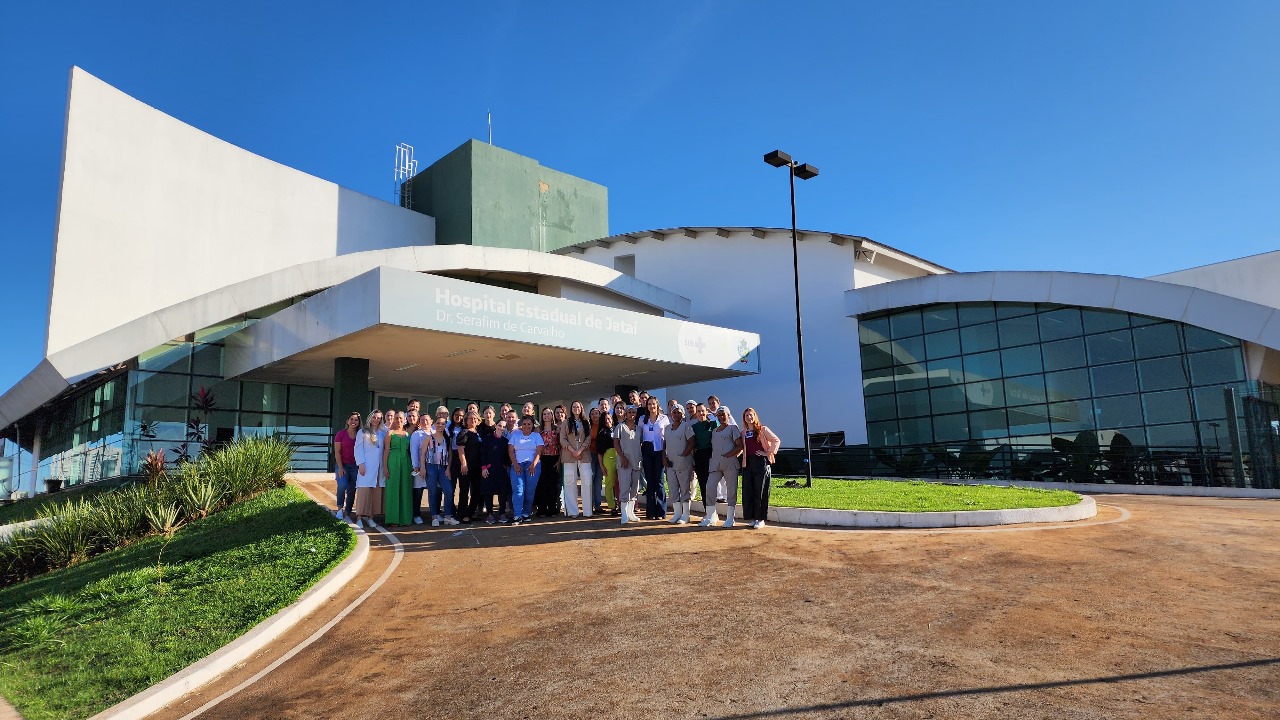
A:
[395,460]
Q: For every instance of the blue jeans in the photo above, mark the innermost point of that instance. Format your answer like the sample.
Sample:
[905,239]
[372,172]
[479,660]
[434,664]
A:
[347,487]
[438,484]
[655,492]
[524,480]
[597,481]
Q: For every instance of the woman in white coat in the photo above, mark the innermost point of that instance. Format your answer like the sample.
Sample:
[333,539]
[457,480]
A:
[369,470]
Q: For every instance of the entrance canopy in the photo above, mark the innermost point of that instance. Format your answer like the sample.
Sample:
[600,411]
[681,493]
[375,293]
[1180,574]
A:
[425,333]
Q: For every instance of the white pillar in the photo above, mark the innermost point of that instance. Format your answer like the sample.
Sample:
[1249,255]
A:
[35,456]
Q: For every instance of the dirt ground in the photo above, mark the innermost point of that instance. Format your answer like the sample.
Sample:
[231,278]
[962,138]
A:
[1157,608]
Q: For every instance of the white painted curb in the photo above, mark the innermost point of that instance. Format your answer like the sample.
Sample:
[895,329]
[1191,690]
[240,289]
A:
[1086,508]
[242,648]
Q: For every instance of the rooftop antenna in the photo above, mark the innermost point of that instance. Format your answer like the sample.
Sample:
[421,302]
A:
[490,117]
[406,168]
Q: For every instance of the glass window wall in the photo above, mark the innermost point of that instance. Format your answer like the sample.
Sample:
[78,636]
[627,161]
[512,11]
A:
[1004,372]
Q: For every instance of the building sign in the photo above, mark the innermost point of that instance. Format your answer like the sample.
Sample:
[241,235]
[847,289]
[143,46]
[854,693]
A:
[473,309]
[420,301]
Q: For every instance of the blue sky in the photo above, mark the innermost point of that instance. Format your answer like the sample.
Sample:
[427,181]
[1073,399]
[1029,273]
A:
[1132,137]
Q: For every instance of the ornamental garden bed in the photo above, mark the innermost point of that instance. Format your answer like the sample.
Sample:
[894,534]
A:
[78,640]
[912,496]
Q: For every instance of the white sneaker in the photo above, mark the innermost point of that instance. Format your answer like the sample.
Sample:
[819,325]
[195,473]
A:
[451,520]
[759,524]
[417,520]
[435,521]
[339,515]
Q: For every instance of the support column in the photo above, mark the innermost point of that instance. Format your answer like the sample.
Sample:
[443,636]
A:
[350,390]
[35,456]
[1233,434]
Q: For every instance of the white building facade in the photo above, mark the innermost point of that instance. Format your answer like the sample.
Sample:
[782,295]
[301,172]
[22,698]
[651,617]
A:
[201,292]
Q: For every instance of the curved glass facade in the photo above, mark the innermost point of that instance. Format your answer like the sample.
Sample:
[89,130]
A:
[1022,372]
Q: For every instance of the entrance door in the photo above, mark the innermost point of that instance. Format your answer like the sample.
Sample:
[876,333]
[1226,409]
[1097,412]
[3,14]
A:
[391,402]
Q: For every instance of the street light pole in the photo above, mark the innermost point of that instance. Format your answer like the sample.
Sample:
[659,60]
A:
[805,171]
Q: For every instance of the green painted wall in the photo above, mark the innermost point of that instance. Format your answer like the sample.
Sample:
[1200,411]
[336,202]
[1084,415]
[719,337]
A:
[443,191]
[483,195]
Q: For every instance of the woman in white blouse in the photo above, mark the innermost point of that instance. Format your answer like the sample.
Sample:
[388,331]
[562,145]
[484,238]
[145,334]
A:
[369,470]
[575,458]
[653,429]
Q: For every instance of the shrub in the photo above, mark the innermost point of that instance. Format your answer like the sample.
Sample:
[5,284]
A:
[20,558]
[71,531]
[153,467]
[250,465]
[162,517]
[201,493]
[64,532]
[118,516]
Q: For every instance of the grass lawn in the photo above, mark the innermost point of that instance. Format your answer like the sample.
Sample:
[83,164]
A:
[912,496]
[28,508]
[78,640]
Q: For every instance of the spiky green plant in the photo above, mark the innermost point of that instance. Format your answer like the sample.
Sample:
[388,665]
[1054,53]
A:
[70,531]
[201,493]
[63,532]
[163,517]
[251,465]
[118,516]
[20,558]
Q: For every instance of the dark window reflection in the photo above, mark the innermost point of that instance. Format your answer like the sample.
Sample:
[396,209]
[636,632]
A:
[1000,371]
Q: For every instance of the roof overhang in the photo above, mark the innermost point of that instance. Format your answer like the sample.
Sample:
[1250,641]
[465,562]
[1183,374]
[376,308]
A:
[71,365]
[426,333]
[857,242]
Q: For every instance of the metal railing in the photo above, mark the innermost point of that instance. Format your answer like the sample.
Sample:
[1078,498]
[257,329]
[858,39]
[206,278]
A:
[1124,465]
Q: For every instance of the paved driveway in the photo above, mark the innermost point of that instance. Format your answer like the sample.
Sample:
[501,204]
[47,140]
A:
[1157,608]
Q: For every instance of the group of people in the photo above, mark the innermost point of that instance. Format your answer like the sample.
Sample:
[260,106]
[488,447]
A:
[500,466]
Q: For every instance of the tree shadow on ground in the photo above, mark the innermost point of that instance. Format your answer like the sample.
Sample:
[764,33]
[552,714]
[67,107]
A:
[995,689]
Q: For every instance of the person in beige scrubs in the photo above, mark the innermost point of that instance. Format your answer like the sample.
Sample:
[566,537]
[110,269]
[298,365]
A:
[678,449]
